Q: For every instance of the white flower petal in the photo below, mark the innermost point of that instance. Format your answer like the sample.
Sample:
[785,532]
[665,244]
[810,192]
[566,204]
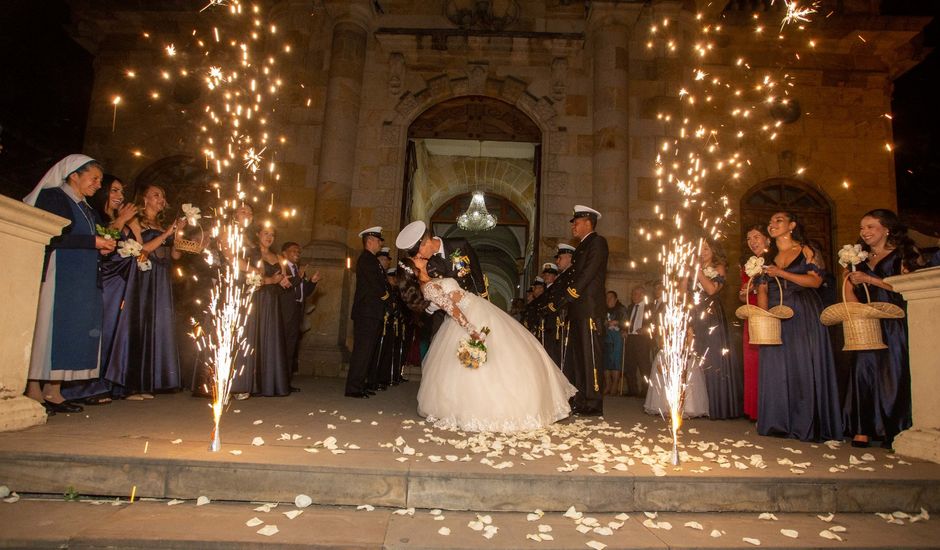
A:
[790,533]
[693,525]
[268,530]
[291,514]
[257,441]
[201,501]
[444,531]
[366,507]
[253,522]
[749,540]
[596,545]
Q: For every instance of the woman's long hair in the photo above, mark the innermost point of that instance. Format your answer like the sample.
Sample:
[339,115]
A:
[747,252]
[798,235]
[409,287]
[897,238]
[100,201]
[719,256]
[139,201]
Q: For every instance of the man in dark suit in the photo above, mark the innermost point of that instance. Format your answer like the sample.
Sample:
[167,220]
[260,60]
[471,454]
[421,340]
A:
[297,288]
[453,258]
[584,295]
[368,314]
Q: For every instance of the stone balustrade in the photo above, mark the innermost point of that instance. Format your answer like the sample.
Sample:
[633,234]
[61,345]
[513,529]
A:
[24,233]
[921,289]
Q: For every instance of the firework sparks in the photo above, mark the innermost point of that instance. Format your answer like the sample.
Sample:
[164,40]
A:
[795,13]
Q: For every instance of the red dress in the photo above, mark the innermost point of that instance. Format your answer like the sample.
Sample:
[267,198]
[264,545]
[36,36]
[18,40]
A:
[751,359]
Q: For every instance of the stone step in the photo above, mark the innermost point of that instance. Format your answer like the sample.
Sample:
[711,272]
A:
[158,449]
[31,523]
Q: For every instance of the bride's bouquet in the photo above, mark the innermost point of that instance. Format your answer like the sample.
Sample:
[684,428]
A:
[472,352]
[852,255]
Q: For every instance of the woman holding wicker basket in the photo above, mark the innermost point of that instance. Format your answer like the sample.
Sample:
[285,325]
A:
[878,400]
[798,391]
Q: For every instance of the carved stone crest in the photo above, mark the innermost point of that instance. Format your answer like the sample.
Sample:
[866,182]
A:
[396,74]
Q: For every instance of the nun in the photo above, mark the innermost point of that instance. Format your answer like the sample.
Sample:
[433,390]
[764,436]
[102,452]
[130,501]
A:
[67,339]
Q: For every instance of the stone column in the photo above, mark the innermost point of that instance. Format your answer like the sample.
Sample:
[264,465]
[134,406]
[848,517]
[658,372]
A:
[24,233]
[328,248]
[921,289]
[609,35]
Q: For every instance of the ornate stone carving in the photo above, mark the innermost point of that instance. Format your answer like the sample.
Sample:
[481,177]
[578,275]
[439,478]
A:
[559,78]
[396,74]
[484,15]
[476,72]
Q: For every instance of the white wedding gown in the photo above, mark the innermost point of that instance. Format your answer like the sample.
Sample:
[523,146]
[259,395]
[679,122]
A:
[696,392]
[519,387]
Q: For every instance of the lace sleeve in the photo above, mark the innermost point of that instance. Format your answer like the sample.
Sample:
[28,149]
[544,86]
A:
[448,300]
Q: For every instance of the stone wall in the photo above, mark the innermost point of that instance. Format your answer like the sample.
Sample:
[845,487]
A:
[587,79]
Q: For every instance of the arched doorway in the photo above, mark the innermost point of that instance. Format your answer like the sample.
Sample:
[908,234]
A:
[478,143]
[809,204]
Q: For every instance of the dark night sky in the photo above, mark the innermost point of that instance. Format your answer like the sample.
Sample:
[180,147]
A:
[48,82]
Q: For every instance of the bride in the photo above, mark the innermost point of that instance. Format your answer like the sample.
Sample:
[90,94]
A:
[518,388]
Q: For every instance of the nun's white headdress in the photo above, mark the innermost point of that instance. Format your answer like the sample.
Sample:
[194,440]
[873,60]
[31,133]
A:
[57,174]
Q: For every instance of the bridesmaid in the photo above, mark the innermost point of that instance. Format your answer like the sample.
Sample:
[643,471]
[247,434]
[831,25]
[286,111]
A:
[109,202]
[798,394]
[144,357]
[264,371]
[757,244]
[67,338]
[878,401]
[712,342]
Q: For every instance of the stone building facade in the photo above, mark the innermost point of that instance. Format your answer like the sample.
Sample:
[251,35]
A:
[574,79]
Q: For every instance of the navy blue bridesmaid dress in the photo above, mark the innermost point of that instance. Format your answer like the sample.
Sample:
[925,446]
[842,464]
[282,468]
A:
[798,393]
[114,273]
[722,370]
[264,370]
[878,399]
[144,357]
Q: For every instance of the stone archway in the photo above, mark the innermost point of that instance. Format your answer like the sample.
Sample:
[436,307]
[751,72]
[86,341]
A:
[810,205]
[510,90]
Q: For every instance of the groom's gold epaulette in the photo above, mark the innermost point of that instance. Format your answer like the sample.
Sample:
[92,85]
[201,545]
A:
[385,296]
[574,293]
[551,307]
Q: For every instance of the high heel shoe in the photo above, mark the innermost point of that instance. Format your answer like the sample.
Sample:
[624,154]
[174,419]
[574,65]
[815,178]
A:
[63,407]
[860,443]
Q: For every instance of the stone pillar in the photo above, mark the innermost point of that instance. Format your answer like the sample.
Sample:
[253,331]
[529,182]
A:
[921,289]
[24,233]
[323,349]
[609,34]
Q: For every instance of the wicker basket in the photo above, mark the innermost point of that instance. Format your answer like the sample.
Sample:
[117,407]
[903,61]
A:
[188,245]
[861,323]
[763,325]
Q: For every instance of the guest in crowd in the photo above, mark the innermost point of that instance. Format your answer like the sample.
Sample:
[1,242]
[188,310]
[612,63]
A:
[797,389]
[368,313]
[67,337]
[637,359]
[297,287]
[144,357]
[120,215]
[266,371]
[757,244]
[613,345]
[878,401]
[712,339]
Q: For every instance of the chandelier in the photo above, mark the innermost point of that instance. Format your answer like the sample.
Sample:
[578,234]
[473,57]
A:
[476,218]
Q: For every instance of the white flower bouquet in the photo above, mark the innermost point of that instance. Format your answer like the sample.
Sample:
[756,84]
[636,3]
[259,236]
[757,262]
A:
[852,255]
[129,248]
[472,352]
[754,266]
[709,272]
[253,279]
[191,213]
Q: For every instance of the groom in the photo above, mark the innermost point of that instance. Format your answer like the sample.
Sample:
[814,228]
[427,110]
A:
[453,258]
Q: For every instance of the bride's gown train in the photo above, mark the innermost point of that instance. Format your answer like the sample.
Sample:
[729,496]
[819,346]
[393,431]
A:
[518,388]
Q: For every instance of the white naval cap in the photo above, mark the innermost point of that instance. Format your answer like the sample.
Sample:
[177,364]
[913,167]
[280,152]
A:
[564,249]
[581,211]
[538,281]
[373,232]
[391,271]
[549,267]
[385,251]
[410,235]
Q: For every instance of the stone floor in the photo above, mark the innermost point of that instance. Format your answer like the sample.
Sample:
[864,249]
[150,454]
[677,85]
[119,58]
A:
[346,453]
